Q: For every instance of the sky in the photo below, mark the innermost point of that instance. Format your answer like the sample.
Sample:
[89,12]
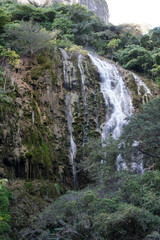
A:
[135,11]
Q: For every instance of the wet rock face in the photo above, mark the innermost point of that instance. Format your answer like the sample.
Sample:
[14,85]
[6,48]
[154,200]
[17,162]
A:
[39,129]
[34,132]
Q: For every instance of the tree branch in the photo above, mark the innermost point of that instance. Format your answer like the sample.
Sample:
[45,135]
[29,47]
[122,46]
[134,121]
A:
[149,154]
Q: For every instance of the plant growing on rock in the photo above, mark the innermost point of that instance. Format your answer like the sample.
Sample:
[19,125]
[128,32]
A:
[29,37]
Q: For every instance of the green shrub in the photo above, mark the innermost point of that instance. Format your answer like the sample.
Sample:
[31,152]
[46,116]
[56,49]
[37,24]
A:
[128,222]
[4,212]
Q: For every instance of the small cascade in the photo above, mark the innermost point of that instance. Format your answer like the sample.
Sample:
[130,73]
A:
[143,90]
[18,141]
[80,65]
[17,148]
[83,77]
[33,117]
[69,71]
[72,143]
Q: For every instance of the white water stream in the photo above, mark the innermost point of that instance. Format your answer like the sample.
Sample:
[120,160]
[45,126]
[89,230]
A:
[117,98]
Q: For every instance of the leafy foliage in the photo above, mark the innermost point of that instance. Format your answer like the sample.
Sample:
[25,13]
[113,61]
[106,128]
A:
[123,211]
[28,37]
[136,58]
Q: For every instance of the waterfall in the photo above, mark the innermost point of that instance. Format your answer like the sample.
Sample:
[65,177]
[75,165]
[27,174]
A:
[72,143]
[119,106]
[117,98]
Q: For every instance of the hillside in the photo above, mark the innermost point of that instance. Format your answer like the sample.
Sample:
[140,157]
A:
[79,117]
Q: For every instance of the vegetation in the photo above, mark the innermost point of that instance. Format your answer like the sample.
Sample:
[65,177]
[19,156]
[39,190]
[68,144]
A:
[126,207]
[29,28]
[117,205]
[4,212]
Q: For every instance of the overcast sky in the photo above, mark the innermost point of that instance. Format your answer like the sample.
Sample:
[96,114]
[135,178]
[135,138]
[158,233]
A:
[135,11]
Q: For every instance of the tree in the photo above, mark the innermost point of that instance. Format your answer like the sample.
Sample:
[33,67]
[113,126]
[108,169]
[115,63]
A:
[4,19]
[155,36]
[136,58]
[113,45]
[29,37]
[100,160]
[142,134]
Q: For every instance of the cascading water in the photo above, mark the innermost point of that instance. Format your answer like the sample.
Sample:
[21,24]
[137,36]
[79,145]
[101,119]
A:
[142,87]
[117,98]
[72,143]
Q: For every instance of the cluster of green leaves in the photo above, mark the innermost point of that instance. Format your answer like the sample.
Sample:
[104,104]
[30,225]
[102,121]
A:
[100,159]
[4,212]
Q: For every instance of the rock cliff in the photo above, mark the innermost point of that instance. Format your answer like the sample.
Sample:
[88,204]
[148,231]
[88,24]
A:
[99,7]
[55,106]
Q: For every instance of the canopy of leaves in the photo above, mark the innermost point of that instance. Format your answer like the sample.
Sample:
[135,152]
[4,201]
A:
[136,58]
